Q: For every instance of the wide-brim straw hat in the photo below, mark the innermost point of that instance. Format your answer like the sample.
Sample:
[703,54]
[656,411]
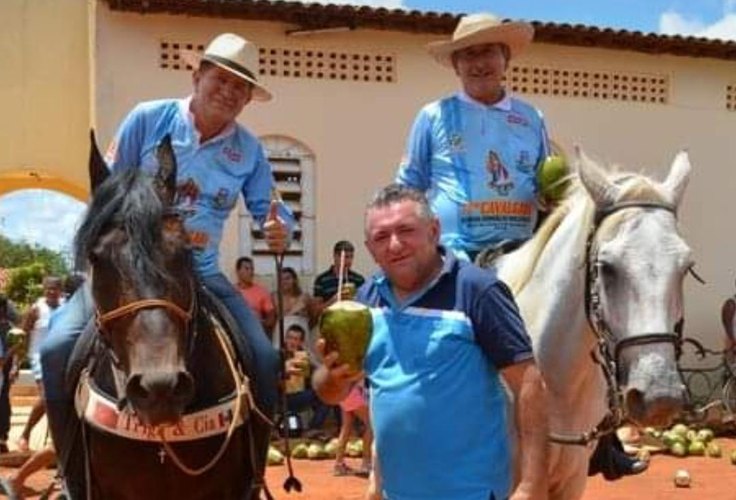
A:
[235,54]
[478,29]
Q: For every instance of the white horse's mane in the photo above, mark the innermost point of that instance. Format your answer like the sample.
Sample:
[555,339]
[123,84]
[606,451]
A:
[634,187]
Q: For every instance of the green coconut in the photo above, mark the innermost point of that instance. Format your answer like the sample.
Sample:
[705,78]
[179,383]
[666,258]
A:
[275,457]
[713,450]
[680,429]
[552,178]
[346,327]
[299,451]
[696,448]
[316,451]
[705,435]
[679,450]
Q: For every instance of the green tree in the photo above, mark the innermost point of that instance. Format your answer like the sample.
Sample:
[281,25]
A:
[14,255]
[24,285]
[28,264]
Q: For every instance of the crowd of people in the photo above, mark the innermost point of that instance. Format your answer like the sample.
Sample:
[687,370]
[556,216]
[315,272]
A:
[30,329]
[301,311]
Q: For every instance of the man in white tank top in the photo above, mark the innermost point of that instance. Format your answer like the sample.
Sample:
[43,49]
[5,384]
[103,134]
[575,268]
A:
[36,324]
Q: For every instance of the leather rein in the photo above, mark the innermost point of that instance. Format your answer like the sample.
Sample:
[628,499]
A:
[608,348]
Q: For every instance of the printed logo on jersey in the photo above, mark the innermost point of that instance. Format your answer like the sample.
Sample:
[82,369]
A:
[516,119]
[222,199]
[500,180]
[524,161]
[232,154]
[456,143]
[187,194]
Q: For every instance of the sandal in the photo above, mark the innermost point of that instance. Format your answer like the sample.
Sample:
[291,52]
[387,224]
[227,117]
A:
[364,471]
[7,488]
[342,469]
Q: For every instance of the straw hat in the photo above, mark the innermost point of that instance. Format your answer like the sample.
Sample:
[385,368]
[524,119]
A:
[235,54]
[477,29]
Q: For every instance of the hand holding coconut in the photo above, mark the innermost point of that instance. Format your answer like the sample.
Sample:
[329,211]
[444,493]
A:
[345,328]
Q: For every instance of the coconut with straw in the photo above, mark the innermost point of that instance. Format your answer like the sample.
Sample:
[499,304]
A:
[346,326]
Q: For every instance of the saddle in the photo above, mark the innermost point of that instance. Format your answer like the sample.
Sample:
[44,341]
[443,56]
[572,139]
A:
[487,257]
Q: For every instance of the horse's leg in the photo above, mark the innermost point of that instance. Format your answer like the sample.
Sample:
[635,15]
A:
[570,485]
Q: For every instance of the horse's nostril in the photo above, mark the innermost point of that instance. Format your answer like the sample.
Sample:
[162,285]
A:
[184,388]
[634,401]
[149,389]
[135,390]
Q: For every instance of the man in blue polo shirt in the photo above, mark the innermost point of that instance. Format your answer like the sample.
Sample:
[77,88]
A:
[445,334]
[476,152]
[218,160]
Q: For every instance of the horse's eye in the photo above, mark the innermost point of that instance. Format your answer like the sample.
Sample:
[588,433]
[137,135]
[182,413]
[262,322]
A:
[606,269]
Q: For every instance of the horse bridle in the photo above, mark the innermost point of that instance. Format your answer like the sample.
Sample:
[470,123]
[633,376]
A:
[102,320]
[608,348]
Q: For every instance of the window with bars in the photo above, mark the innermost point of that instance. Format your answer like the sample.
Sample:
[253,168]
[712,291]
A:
[293,167]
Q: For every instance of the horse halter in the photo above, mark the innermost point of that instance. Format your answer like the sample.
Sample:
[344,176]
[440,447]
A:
[104,319]
[608,347]
[605,340]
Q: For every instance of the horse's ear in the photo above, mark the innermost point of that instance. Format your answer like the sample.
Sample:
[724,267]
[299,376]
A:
[678,177]
[594,179]
[98,170]
[166,174]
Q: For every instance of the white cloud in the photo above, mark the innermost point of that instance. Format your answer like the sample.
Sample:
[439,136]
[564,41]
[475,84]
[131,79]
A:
[674,23]
[725,28]
[389,4]
[41,217]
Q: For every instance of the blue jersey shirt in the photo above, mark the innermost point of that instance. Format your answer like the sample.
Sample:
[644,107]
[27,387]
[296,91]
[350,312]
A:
[478,166]
[437,404]
[210,175]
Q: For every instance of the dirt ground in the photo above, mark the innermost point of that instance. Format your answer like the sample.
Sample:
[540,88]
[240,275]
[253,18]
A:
[712,479]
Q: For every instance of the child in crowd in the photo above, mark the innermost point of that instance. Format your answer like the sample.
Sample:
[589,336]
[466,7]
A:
[355,405]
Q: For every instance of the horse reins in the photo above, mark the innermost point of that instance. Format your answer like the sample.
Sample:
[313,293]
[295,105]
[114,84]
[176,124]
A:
[291,482]
[605,340]
[133,307]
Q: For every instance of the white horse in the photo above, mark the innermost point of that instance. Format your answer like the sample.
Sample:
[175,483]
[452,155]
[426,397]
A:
[606,268]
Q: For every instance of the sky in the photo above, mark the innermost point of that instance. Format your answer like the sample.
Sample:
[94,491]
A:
[709,18]
[49,219]
[40,217]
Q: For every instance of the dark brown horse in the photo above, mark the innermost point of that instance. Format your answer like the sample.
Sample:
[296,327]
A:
[165,404]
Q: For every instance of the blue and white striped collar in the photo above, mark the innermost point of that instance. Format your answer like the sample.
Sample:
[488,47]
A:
[504,104]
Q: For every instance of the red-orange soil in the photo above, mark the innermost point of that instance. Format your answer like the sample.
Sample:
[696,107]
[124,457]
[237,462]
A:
[712,479]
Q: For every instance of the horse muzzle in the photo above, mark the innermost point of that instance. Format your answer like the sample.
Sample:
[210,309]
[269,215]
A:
[160,397]
[654,404]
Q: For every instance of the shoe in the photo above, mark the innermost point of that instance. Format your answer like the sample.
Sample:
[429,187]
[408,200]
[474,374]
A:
[7,488]
[637,467]
[342,469]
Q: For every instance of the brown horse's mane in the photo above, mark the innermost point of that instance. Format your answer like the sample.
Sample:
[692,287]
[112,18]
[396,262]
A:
[127,200]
